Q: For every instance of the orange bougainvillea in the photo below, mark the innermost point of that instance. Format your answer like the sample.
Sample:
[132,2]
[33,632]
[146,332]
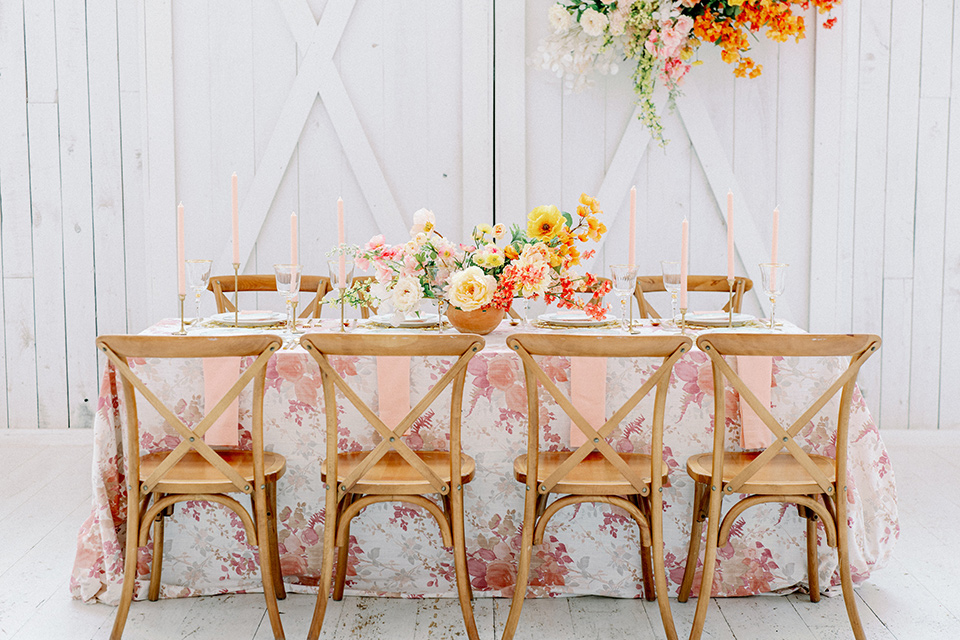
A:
[731,33]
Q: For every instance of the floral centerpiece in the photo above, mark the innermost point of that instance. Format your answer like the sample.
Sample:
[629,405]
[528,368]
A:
[489,272]
[661,38]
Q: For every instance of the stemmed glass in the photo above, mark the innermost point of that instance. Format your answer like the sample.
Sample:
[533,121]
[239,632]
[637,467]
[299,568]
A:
[341,282]
[288,286]
[671,283]
[624,283]
[198,273]
[774,276]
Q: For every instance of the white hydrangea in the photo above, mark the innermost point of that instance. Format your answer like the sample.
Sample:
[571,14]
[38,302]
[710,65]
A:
[574,56]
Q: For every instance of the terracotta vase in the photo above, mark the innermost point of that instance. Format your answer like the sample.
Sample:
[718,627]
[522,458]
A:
[481,321]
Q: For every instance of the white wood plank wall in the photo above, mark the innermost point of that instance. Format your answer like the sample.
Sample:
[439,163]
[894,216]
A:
[114,110]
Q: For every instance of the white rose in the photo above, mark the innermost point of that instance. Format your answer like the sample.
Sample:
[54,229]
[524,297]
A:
[593,22]
[406,294]
[423,222]
[471,289]
[560,18]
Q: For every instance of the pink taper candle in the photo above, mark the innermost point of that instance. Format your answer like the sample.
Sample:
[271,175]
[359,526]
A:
[236,219]
[181,265]
[341,240]
[730,249]
[293,239]
[773,250]
[776,233]
[684,256]
[631,246]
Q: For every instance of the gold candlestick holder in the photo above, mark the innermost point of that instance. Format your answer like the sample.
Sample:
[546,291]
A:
[236,294]
[632,329]
[730,304]
[343,322]
[683,320]
[183,326]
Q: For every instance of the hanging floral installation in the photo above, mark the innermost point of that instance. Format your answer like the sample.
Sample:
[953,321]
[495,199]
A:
[661,37]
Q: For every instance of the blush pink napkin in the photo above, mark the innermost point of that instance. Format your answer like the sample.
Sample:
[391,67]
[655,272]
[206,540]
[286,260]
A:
[588,393]
[219,374]
[757,373]
[393,385]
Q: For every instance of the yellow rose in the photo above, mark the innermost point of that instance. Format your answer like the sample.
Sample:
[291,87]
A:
[544,222]
[471,289]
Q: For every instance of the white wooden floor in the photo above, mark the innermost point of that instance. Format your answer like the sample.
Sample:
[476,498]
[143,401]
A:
[45,495]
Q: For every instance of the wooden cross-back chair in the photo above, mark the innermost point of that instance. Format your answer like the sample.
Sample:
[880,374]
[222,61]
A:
[816,484]
[595,472]
[392,471]
[193,470]
[222,285]
[653,284]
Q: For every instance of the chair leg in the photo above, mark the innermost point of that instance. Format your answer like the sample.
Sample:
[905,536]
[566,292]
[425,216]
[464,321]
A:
[266,562]
[649,591]
[523,565]
[329,544]
[278,587]
[343,552]
[846,582]
[460,561]
[693,550]
[813,562]
[709,565]
[129,567]
[655,518]
[157,567]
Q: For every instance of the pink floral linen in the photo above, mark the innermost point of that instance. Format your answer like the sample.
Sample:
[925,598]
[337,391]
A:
[395,549]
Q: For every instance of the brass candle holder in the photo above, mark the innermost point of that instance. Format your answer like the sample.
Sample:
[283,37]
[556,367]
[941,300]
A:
[183,326]
[236,294]
[730,304]
[683,320]
[293,317]
[343,300]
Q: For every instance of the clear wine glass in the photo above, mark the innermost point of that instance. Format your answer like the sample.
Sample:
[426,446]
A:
[198,274]
[774,276]
[341,281]
[671,282]
[288,286]
[624,284]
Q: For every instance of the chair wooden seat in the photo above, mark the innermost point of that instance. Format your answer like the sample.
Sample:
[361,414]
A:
[193,474]
[392,475]
[654,284]
[594,475]
[783,475]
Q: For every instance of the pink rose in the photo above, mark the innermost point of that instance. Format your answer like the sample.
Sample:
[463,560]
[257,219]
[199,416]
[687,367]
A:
[500,575]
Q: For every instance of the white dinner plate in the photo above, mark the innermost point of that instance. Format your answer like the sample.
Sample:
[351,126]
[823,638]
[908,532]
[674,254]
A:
[574,319]
[718,319]
[250,318]
[413,322]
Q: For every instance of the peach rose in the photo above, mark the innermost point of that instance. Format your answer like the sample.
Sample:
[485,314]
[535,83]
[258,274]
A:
[291,368]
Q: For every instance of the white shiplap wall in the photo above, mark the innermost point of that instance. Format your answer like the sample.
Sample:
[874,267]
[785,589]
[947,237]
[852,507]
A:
[115,110]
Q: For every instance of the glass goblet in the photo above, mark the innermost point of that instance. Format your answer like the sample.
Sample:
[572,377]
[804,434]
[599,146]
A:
[198,274]
[671,283]
[774,276]
[341,277]
[288,286]
[624,284]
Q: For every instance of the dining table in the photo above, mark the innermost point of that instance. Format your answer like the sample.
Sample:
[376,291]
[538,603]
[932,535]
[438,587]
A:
[394,548]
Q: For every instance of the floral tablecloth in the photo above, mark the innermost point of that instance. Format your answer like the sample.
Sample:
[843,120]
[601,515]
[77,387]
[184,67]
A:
[395,549]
